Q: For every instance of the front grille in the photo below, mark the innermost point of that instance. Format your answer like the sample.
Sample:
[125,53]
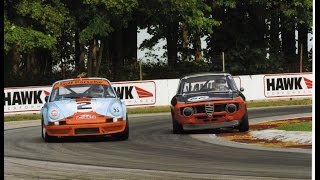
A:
[209,108]
[62,122]
[216,108]
[109,120]
[87,131]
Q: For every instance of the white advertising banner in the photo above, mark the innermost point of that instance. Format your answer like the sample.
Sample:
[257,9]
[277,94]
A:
[136,93]
[160,92]
[25,100]
[287,85]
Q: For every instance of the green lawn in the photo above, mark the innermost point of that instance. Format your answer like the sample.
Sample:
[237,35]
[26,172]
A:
[279,103]
[158,109]
[302,126]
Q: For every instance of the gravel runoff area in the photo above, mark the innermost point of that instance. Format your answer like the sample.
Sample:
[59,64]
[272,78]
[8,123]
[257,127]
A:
[300,137]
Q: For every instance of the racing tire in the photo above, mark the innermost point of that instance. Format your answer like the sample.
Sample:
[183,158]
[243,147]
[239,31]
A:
[244,124]
[176,127]
[44,134]
[124,135]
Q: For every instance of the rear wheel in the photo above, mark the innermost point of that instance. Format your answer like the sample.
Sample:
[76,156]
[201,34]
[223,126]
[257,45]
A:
[45,136]
[176,127]
[124,135]
[244,124]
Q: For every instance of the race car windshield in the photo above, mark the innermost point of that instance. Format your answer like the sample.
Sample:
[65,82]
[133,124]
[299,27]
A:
[82,91]
[208,83]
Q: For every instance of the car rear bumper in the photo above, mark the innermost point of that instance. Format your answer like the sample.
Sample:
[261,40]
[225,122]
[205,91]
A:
[86,129]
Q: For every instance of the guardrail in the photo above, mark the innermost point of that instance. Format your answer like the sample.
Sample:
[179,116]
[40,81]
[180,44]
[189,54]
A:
[18,100]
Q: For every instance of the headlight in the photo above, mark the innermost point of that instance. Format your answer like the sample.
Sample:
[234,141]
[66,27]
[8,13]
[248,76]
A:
[116,109]
[187,111]
[231,108]
[54,113]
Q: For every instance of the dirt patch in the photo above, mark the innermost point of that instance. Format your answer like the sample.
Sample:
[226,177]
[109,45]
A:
[245,137]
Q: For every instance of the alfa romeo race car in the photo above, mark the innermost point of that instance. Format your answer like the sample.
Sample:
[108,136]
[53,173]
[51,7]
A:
[83,107]
[208,101]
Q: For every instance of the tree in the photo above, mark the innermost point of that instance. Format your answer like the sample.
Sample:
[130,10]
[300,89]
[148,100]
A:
[180,23]
[31,31]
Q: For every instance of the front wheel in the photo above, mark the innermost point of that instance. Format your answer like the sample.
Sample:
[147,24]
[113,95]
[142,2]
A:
[124,135]
[44,134]
[244,124]
[176,127]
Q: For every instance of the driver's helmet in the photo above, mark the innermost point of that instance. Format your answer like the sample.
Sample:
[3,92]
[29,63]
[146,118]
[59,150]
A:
[97,91]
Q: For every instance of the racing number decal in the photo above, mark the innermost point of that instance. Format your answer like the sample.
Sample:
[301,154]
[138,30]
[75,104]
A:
[116,109]
[84,106]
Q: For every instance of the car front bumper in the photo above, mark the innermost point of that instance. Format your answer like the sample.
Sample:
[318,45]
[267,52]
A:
[211,125]
[86,129]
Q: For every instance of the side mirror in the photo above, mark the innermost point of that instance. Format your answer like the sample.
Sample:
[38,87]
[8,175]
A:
[46,98]
[241,89]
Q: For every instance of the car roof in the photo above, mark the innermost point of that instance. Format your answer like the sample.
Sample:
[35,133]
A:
[72,79]
[205,74]
[63,81]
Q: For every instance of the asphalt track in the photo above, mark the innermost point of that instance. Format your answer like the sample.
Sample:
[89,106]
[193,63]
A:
[152,152]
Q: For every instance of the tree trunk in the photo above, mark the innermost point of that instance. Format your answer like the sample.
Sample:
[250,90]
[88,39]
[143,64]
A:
[15,59]
[106,56]
[89,62]
[275,44]
[82,58]
[91,58]
[11,66]
[44,61]
[215,50]
[197,47]
[77,50]
[32,65]
[289,44]
[303,40]
[99,58]
[117,55]
[172,44]
[130,42]
[185,43]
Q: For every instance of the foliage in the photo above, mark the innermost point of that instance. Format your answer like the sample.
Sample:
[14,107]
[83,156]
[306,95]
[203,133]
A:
[98,26]
[54,39]
[160,70]
[51,15]
[26,38]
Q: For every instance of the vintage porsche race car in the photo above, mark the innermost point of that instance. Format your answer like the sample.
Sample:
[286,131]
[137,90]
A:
[83,107]
[208,101]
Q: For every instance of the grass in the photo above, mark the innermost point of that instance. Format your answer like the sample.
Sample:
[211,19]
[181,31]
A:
[21,117]
[301,126]
[155,109]
[158,109]
[278,103]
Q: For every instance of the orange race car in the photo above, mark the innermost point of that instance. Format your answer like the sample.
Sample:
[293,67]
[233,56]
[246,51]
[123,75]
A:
[208,101]
[83,107]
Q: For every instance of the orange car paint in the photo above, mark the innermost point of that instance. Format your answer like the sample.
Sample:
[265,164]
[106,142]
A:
[81,81]
[217,117]
[86,120]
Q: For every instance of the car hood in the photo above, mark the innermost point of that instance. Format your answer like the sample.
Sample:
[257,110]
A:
[69,107]
[190,98]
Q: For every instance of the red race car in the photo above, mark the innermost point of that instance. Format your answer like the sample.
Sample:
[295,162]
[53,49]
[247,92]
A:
[208,101]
